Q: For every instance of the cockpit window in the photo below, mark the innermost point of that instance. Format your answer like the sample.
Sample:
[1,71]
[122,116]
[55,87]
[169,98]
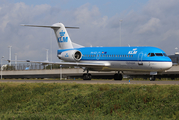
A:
[164,54]
[152,54]
[158,54]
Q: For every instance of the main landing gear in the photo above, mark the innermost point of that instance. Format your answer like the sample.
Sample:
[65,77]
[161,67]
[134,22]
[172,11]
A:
[87,76]
[118,76]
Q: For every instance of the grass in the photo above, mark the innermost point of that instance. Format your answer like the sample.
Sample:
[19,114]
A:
[87,101]
[124,79]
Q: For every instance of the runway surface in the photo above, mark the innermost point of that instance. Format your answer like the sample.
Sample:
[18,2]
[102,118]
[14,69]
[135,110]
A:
[95,82]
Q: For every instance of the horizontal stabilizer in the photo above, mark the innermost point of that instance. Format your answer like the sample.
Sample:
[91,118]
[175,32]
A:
[62,37]
[49,26]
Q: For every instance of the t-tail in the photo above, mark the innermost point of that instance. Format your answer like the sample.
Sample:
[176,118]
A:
[63,39]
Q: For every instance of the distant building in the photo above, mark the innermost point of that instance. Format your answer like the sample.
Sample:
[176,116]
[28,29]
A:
[174,58]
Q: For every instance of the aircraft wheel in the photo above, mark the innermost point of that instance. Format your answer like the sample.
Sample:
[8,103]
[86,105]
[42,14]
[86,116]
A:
[118,76]
[152,78]
[87,76]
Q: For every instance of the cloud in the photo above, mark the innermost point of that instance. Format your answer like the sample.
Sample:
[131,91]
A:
[83,14]
[11,16]
[150,26]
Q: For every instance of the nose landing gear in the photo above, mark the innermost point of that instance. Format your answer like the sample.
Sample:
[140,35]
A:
[152,78]
[87,76]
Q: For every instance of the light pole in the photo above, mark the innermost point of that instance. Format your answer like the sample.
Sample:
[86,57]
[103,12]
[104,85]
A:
[51,47]
[1,66]
[16,61]
[60,72]
[120,31]
[46,54]
[9,55]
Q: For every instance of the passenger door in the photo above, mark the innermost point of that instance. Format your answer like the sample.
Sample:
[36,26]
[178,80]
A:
[140,56]
[98,55]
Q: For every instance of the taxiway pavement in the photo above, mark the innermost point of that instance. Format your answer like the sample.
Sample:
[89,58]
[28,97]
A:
[96,82]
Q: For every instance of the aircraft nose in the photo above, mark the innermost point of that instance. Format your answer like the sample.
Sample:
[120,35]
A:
[168,65]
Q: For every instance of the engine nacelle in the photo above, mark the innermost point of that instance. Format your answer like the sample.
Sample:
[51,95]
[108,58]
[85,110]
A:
[70,56]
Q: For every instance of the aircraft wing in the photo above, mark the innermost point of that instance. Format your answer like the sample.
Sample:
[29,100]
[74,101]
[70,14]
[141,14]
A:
[81,64]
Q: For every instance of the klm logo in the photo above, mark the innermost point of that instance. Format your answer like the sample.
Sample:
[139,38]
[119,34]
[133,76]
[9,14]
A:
[66,55]
[62,39]
[62,33]
[134,51]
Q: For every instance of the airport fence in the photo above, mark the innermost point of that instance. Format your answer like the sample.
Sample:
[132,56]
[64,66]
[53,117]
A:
[23,66]
[30,66]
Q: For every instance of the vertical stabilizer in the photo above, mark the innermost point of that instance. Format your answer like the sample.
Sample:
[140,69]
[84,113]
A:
[63,39]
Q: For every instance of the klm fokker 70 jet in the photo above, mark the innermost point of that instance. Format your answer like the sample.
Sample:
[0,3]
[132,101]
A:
[148,59]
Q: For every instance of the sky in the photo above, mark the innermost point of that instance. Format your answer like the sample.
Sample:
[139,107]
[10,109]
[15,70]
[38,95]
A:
[144,23]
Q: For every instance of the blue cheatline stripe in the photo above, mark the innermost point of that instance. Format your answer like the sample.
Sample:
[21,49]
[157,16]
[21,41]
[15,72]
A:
[128,60]
[140,52]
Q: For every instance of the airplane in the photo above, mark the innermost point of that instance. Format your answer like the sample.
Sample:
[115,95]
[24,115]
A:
[119,59]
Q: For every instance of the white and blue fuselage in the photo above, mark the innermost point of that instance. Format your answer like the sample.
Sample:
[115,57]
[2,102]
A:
[124,58]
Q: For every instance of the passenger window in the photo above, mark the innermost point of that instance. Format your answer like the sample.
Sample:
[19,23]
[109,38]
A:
[148,55]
